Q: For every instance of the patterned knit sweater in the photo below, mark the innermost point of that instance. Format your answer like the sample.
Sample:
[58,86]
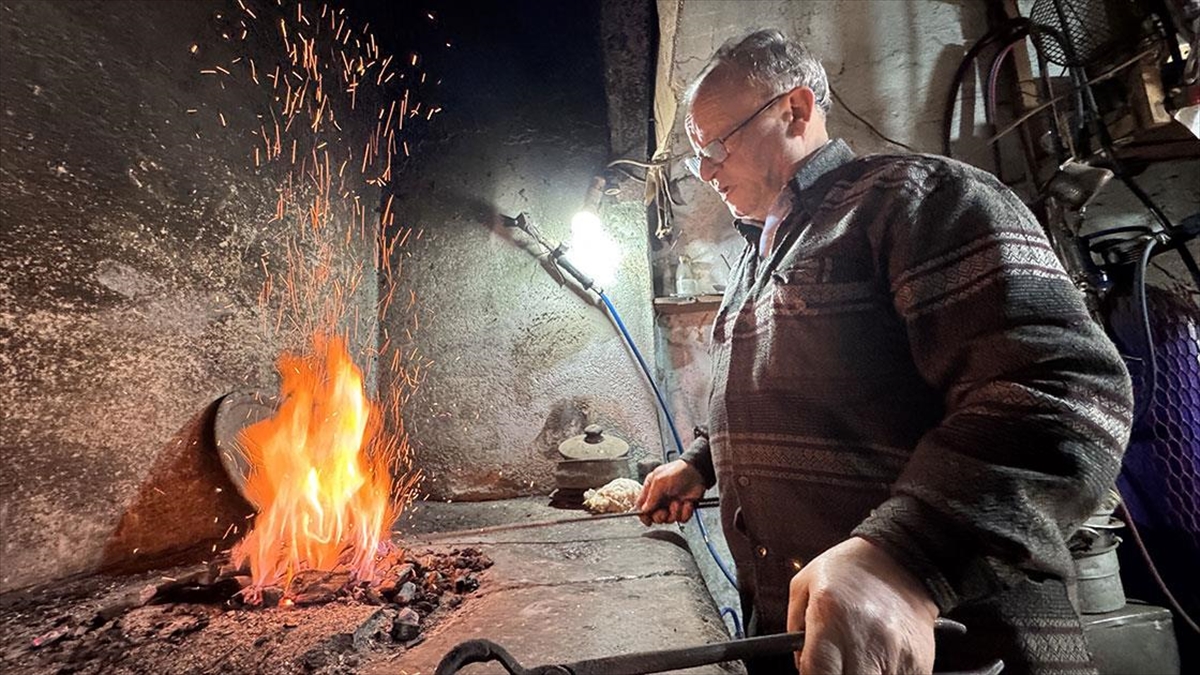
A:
[910,364]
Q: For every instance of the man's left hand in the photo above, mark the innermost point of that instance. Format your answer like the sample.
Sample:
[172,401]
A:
[862,613]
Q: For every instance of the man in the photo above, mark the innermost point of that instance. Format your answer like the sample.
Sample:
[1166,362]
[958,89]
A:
[911,408]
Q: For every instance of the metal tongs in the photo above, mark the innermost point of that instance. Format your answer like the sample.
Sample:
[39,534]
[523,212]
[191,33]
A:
[640,663]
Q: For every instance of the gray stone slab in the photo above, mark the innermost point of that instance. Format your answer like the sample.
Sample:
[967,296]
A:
[606,547]
[562,592]
[570,622]
[608,559]
[601,551]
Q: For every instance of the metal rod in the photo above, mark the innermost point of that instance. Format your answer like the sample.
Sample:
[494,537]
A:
[706,502]
[1099,78]
[642,663]
[689,657]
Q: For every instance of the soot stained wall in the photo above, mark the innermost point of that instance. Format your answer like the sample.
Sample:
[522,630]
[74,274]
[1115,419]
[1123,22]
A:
[132,241]
[519,361]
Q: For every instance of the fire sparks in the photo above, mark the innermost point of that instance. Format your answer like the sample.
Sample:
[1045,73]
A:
[332,470]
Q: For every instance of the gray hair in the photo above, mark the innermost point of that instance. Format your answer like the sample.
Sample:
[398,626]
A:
[772,63]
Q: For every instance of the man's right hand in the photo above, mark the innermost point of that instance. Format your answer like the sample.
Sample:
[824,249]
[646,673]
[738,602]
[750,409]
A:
[669,493]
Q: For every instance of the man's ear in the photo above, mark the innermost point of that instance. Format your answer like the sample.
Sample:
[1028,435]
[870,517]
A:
[801,102]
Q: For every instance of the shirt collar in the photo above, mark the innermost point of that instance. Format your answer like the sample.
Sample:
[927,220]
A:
[824,159]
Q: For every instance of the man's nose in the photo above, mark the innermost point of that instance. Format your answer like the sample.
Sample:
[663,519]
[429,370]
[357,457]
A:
[708,169]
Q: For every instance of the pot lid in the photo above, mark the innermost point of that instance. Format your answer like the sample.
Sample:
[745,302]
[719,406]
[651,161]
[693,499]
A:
[593,444]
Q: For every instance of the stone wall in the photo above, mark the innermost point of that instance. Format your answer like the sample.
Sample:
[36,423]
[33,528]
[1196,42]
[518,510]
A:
[135,231]
[518,360]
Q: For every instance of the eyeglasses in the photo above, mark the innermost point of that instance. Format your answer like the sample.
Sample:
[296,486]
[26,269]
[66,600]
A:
[715,151]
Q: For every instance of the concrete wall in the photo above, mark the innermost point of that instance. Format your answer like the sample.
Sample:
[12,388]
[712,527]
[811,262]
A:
[517,360]
[133,235]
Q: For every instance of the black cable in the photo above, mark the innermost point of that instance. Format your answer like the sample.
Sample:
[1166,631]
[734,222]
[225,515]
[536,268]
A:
[1187,230]
[1079,83]
[1150,374]
[870,126]
[629,174]
[1178,239]
[1189,261]
[1141,229]
[1090,111]
[1136,189]
[1162,584]
[640,164]
[1106,143]
[1010,29]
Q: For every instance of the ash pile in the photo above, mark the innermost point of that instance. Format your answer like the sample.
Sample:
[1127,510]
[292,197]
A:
[199,619]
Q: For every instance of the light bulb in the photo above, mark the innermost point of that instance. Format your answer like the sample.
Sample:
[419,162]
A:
[592,250]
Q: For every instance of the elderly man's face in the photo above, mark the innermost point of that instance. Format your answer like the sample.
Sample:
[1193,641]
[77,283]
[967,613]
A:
[754,171]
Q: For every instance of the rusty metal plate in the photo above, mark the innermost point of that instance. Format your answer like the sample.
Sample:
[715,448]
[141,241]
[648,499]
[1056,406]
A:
[236,411]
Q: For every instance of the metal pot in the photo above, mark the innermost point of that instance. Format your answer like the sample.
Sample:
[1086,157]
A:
[1099,576]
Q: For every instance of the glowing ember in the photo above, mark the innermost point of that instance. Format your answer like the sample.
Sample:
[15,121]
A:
[320,472]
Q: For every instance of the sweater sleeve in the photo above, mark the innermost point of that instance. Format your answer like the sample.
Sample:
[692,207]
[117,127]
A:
[1037,400]
[699,455]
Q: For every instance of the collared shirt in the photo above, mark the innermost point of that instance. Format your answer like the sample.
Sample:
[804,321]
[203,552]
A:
[912,365]
[779,211]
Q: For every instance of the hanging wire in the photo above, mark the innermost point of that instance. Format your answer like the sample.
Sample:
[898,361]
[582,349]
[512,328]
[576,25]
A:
[658,188]
[1162,584]
[637,163]
[870,126]
[1006,32]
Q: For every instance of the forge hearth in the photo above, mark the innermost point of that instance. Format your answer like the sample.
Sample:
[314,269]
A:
[554,594]
[201,619]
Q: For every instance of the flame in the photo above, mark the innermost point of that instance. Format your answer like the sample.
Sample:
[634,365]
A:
[320,475]
[328,477]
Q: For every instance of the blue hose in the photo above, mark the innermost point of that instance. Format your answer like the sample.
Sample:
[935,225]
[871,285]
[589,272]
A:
[662,403]
[612,311]
[737,621]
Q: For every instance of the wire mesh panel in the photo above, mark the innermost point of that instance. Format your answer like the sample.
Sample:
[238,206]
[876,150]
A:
[1160,476]
[1080,32]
